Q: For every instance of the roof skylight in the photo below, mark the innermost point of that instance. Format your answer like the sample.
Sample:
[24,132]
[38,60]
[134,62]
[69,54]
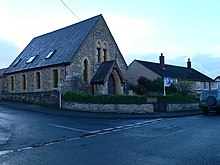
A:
[50,54]
[31,59]
[16,62]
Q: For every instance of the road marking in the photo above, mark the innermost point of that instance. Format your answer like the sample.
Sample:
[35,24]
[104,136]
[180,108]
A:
[119,127]
[108,129]
[123,127]
[70,128]
[95,132]
[25,148]
[87,134]
[5,152]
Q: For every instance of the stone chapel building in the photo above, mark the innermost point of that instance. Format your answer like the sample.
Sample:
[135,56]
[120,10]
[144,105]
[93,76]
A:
[82,57]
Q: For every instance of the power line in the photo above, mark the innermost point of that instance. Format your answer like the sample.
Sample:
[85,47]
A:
[70,10]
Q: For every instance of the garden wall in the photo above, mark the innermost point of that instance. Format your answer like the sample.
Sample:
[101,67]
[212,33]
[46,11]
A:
[128,108]
[50,98]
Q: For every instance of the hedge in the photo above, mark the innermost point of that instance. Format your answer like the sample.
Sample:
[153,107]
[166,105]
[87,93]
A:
[176,98]
[104,99]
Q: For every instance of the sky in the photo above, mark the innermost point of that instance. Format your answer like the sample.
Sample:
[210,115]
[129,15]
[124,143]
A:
[142,29]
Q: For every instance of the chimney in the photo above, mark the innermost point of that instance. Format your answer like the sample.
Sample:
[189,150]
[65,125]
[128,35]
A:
[161,60]
[189,64]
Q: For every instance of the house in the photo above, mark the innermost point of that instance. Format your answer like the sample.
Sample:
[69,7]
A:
[153,71]
[216,83]
[82,57]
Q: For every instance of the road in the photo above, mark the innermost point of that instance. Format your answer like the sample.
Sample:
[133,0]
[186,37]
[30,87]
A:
[37,138]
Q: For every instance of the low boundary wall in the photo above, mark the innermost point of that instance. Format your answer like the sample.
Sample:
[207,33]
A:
[128,108]
[51,98]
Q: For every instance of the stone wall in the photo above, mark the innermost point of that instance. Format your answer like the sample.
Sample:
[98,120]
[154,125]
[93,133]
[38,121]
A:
[109,108]
[182,107]
[128,108]
[50,98]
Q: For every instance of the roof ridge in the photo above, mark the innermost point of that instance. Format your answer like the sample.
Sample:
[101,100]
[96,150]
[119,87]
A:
[77,23]
[159,63]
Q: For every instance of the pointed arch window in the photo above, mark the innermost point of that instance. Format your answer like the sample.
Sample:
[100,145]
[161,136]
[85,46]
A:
[37,80]
[86,70]
[23,82]
[55,78]
[98,52]
[105,52]
[12,83]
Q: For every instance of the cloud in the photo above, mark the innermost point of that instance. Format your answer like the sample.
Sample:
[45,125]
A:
[130,33]
[21,30]
[8,52]
[207,64]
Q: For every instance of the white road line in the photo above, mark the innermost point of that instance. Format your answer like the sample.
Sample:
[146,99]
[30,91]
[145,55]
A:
[72,139]
[64,127]
[96,131]
[129,125]
[108,129]
[25,148]
[5,152]
[119,127]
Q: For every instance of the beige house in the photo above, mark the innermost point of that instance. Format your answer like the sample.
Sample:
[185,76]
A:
[153,71]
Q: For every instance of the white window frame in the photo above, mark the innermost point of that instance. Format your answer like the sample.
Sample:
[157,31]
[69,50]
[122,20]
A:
[198,85]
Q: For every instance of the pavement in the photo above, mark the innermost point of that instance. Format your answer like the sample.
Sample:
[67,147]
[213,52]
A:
[64,112]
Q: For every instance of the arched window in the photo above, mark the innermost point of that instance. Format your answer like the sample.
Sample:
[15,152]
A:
[37,80]
[105,52]
[23,82]
[98,51]
[12,83]
[86,70]
[55,78]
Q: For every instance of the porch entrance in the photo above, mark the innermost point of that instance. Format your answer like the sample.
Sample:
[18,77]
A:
[111,85]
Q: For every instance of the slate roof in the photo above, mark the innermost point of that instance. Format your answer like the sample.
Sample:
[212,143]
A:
[175,71]
[218,77]
[2,71]
[64,42]
[103,72]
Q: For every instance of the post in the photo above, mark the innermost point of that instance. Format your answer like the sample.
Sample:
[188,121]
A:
[164,90]
[60,101]
[60,85]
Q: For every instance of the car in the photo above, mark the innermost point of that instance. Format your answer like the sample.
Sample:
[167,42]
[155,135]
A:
[210,100]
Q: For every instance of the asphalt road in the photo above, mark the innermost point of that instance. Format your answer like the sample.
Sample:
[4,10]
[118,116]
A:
[37,138]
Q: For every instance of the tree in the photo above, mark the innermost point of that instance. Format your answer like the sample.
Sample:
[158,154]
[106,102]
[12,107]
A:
[145,85]
[184,87]
[142,85]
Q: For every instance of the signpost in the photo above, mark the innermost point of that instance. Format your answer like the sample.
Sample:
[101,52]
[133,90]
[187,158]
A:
[167,83]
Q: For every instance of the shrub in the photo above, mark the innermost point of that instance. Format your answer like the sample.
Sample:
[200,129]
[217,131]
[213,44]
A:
[104,99]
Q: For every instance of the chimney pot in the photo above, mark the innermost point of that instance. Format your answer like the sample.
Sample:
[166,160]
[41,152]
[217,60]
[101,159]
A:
[162,61]
[189,64]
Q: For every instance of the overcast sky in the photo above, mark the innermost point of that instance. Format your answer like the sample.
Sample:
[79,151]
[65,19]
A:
[180,29]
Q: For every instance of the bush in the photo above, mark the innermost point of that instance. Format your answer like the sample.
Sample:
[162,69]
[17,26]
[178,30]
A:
[104,99]
[176,98]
